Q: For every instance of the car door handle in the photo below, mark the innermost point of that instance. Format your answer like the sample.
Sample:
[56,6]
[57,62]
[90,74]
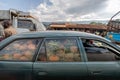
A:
[42,73]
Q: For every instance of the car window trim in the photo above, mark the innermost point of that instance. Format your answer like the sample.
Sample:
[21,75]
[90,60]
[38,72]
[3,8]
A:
[100,41]
[20,60]
[104,41]
[74,37]
[38,50]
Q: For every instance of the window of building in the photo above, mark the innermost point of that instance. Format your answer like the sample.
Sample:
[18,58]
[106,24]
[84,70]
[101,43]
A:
[23,49]
[99,51]
[59,50]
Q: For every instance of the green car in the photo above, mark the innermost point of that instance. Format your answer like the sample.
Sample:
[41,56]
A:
[59,55]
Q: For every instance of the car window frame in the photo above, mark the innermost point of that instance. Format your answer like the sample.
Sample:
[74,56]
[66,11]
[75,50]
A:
[101,40]
[11,41]
[47,38]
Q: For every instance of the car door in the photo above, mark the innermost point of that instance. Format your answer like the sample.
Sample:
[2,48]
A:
[16,59]
[59,59]
[102,61]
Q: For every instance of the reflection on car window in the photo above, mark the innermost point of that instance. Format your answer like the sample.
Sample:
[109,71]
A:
[19,50]
[99,51]
[59,50]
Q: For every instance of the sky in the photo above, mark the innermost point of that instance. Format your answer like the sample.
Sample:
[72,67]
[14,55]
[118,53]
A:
[65,10]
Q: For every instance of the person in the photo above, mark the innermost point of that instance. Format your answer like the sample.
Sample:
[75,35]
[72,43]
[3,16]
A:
[1,32]
[8,29]
[88,43]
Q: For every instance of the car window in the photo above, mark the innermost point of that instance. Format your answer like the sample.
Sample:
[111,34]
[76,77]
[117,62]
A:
[99,51]
[59,50]
[23,49]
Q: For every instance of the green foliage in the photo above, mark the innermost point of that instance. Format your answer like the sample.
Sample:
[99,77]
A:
[96,23]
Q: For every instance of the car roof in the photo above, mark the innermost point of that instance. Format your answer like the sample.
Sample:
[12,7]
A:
[49,34]
[55,34]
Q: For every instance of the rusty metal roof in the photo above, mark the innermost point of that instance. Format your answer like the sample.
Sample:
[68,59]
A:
[83,26]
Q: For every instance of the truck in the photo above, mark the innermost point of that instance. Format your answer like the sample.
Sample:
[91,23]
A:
[22,21]
[113,29]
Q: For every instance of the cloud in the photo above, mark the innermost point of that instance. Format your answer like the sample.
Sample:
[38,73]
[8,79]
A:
[75,10]
[84,6]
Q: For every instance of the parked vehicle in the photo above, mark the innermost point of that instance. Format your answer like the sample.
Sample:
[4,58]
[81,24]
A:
[59,55]
[113,29]
[22,21]
[113,36]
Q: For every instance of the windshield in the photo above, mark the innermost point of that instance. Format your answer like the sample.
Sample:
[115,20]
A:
[25,24]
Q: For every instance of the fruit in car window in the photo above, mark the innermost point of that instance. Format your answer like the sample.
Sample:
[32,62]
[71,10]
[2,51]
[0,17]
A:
[16,56]
[53,58]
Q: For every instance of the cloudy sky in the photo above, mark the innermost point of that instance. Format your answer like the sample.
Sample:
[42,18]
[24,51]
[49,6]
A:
[65,10]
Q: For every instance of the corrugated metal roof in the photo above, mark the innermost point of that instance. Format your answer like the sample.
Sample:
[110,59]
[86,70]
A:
[57,26]
[85,26]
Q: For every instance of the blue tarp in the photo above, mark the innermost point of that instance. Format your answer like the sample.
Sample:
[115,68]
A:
[113,36]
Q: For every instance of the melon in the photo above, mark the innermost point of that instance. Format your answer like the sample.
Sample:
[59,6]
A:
[16,56]
[31,46]
[23,58]
[53,58]
[73,49]
[6,56]
[28,54]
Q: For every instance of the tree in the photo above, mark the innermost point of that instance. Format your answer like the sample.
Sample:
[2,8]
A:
[96,23]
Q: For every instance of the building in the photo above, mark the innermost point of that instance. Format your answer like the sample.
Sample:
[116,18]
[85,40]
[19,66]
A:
[78,27]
